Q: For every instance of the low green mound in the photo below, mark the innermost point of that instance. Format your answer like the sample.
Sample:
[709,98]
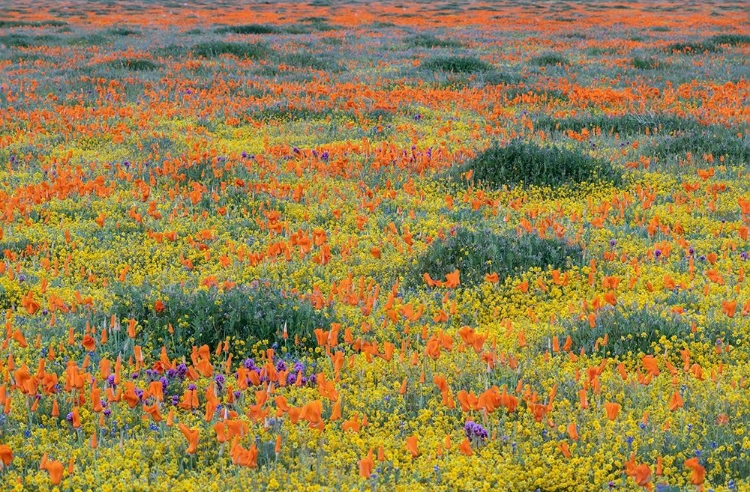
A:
[212,49]
[526,164]
[456,64]
[479,253]
[250,313]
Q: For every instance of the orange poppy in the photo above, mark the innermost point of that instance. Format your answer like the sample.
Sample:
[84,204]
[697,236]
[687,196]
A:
[612,409]
[6,454]
[698,471]
[411,446]
[192,437]
[365,465]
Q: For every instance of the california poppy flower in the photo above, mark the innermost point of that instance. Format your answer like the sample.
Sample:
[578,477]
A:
[55,470]
[192,437]
[698,471]
[411,446]
[365,465]
[6,454]
[612,409]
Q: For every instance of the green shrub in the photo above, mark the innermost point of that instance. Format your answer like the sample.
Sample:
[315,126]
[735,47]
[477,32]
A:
[309,60]
[647,63]
[207,316]
[249,29]
[549,59]
[25,41]
[50,23]
[730,39]
[526,164]
[631,330]
[457,64]
[499,78]
[709,140]
[478,253]
[122,31]
[134,64]
[692,48]
[635,329]
[623,125]
[212,49]
[430,41]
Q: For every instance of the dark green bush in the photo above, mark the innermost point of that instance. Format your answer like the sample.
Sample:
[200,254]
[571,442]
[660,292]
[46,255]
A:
[430,41]
[709,140]
[207,316]
[622,125]
[122,31]
[212,49]
[478,253]
[549,59]
[249,29]
[647,63]
[309,60]
[730,39]
[499,78]
[50,23]
[631,330]
[134,64]
[526,164]
[457,64]
[693,48]
[25,41]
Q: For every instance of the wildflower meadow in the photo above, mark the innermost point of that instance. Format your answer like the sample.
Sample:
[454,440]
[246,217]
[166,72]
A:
[374,246]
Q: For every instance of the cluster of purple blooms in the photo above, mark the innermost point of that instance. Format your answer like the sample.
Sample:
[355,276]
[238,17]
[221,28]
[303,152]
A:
[475,432]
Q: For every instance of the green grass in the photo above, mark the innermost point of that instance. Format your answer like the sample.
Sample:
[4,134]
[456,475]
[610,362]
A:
[47,23]
[213,49]
[623,125]
[710,140]
[208,316]
[647,63]
[134,64]
[123,31]
[456,64]
[693,48]
[478,253]
[549,59]
[526,164]
[249,29]
[430,41]
[729,39]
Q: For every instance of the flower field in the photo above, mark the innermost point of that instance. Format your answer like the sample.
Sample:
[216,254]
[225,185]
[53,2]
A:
[374,246]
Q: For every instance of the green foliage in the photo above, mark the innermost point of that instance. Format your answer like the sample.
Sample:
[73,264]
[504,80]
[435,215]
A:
[310,60]
[692,48]
[456,64]
[526,164]
[478,253]
[647,63]
[25,41]
[249,29]
[499,78]
[549,59]
[708,140]
[122,31]
[207,316]
[730,39]
[623,125]
[430,41]
[49,23]
[212,49]
[134,64]
[628,330]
